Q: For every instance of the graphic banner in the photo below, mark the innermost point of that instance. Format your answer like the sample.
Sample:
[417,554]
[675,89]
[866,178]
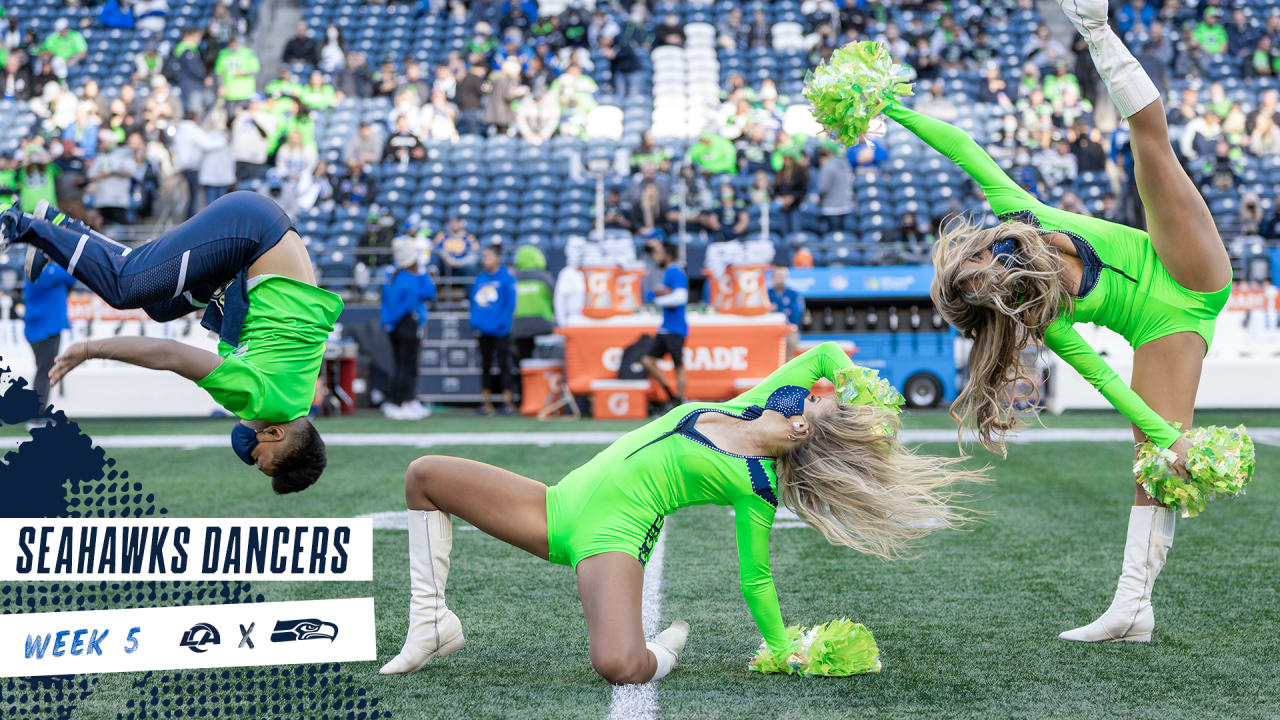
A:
[174,638]
[92,549]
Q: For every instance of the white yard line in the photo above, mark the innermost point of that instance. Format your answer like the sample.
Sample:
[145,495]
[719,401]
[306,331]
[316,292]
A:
[640,702]
[1261,435]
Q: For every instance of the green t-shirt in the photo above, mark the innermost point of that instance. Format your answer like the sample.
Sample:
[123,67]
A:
[238,70]
[1213,38]
[716,157]
[271,375]
[318,98]
[65,47]
[36,185]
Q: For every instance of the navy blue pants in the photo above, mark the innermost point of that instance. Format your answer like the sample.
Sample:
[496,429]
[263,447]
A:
[177,272]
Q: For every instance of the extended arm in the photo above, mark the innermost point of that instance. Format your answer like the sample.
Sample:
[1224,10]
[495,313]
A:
[671,298]
[1003,194]
[752,519]
[190,362]
[804,370]
[1063,339]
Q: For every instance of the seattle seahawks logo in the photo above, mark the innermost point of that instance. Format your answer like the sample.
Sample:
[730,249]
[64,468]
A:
[308,629]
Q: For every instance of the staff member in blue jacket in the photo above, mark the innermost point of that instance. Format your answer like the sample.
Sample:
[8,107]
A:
[46,300]
[493,303]
[789,302]
[404,294]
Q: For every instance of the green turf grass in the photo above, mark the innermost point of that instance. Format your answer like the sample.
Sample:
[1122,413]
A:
[968,629]
[454,419]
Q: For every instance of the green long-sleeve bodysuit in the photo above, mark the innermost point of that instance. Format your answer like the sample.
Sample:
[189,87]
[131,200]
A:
[1129,290]
[617,501]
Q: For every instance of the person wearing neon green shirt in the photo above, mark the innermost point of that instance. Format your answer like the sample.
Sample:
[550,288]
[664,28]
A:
[284,85]
[237,67]
[242,263]
[839,466]
[1209,34]
[714,154]
[65,43]
[318,94]
[1032,278]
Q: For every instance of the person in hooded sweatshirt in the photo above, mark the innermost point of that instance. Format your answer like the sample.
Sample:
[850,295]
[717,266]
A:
[404,296]
[493,302]
[535,287]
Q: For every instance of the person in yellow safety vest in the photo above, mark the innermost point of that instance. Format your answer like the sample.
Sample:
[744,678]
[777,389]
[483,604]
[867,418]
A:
[237,68]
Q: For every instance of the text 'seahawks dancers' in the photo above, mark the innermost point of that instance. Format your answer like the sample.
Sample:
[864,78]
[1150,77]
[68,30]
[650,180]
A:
[242,262]
[839,465]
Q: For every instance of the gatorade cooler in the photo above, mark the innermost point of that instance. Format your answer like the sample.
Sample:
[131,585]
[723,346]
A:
[537,376]
[619,399]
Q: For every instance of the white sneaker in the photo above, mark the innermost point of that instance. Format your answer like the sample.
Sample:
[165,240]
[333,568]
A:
[393,411]
[419,410]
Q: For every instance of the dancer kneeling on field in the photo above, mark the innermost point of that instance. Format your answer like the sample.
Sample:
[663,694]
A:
[839,465]
[1032,278]
[241,261]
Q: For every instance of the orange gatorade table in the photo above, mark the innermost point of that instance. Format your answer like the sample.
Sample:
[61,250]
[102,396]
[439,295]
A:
[719,350]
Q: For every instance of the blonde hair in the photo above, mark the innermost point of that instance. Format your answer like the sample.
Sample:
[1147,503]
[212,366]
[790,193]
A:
[1002,310]
[854,482]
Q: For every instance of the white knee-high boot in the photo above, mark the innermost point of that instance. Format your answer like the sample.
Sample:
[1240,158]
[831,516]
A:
[667,647]
[434,631]
[1130,617]
[1128,84]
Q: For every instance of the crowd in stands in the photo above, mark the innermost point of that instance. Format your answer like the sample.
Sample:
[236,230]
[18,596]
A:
[180,107]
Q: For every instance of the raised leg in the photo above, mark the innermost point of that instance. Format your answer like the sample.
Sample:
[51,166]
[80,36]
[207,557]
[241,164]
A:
[1178,220]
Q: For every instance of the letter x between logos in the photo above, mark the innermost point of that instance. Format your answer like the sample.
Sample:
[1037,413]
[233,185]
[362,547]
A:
[244,635]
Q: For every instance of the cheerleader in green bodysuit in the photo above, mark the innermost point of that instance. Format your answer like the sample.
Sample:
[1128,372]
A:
[837,463]
[1042,270]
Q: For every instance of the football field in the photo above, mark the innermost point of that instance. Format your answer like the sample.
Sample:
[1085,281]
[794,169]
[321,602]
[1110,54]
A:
[966,629]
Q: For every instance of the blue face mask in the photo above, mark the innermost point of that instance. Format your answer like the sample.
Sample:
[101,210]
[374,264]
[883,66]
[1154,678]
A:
[788,400]
[243,440]
[1005,251]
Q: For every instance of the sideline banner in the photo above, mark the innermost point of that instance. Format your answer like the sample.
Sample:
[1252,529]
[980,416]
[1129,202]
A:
[181,638]
[719,351]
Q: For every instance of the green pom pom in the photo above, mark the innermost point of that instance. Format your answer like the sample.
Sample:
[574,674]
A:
[858,385]
[838,649]
[1220,464]
[841,648]
[854,86]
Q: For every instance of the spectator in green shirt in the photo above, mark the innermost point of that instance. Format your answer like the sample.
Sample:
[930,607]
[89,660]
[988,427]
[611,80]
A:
[65,43]
[284,84]
[714,154]
[237,69]
[37,177]
[1209,34]
[318,94]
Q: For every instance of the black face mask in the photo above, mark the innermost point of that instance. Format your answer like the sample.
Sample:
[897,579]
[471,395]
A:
[243,440]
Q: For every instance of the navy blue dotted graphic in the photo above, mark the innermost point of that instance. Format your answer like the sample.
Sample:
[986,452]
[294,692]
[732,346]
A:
[61,473]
